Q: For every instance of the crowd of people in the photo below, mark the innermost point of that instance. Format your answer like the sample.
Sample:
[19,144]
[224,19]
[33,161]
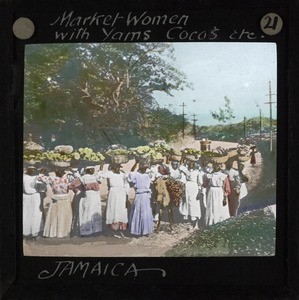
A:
[203,194]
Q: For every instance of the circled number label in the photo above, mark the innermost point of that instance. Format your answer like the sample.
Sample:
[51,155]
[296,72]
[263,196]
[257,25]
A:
[271,24]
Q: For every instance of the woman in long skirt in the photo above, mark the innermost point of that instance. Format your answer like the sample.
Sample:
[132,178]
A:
[218,189]
[90,208]
[141,216]
[116,212]
[234,181]
[252,155]
[32,211]
[59,216]
[191,204]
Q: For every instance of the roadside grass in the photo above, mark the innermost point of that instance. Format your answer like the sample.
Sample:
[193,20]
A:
[251,234]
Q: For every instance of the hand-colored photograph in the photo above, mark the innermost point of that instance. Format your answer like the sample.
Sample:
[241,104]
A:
[149,149]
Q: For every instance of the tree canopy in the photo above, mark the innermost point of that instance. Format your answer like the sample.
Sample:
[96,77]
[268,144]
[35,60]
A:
[223,114]
[100,93]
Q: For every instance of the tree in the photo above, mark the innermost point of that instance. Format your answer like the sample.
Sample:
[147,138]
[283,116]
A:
[223,114]
[96,93]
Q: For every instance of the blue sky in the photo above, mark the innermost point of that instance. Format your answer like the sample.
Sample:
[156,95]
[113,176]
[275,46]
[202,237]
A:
[240,71]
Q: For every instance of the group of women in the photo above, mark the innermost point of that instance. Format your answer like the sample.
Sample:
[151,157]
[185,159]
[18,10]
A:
[203,194]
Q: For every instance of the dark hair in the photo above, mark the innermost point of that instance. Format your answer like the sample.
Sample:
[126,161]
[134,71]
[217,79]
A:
[30,171]
[216,167]
[59,172]
[89,171]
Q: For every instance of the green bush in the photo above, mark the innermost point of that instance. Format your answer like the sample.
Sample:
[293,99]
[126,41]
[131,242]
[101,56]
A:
[252,234]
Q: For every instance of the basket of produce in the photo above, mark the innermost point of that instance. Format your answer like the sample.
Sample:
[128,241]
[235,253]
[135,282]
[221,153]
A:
[174,155]
[156,158]
[162,147]
[84,157]
[60,164]
[32,155]
[119,159]
[142,152]
[214,157]
[33,159]
[64,149]
[31,147]
[118,156]
[191,154]
[31,163]
[57,159]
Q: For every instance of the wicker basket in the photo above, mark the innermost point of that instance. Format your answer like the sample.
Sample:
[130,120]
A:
[214,159]
[219,159]
[232,152]
[243,158]
[191,157]
[31,162]
[173,157]
[61,164]
[142,157]
[119,159]
[64,149]
[156,161]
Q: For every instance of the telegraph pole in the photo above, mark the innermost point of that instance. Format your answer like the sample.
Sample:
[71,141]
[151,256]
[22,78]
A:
[194,127]
[260,124]
[260,121]
[270,104]
[244,127]
[183,105]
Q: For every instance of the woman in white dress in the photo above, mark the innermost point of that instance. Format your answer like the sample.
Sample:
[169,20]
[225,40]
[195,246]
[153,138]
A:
[90,207]
[191,204]
[116,211]
[32,211]
[218,189]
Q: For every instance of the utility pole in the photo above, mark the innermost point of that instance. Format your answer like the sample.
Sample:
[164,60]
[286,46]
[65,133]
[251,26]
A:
[244,127]
[260,124]
[270,103]
[260,121]
[183,105]
[194,127]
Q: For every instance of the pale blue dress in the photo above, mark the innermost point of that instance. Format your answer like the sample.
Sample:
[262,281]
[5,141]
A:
[141,216]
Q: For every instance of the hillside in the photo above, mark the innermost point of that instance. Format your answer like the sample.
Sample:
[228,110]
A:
[234,132]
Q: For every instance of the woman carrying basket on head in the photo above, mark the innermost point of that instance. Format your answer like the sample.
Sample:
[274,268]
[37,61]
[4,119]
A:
[116,211]
[90,207]
[59,217]
[218,189]
[141,216]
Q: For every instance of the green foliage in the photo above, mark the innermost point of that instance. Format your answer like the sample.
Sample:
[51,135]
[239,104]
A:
[250,235]
[98,93]
[160,123]
[223,114]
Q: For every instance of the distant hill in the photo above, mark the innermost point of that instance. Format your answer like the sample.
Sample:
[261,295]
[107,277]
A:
[234,132]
